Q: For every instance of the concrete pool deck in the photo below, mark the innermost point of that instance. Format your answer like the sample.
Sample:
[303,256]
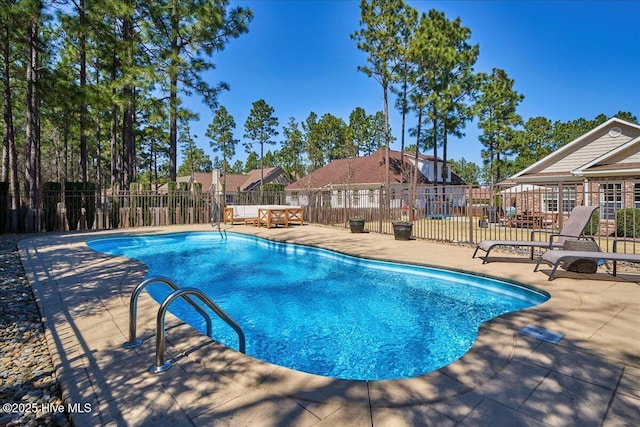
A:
[590,377]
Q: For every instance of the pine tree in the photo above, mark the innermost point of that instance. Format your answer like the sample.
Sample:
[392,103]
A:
[220,132]
[260,128]
[497,119]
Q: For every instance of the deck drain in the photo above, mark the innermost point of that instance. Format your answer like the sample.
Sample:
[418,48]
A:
[541,334]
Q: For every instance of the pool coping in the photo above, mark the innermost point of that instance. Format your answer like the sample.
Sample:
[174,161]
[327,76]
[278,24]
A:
[86,325]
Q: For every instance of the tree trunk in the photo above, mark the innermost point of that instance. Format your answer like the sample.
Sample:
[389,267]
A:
[32,134]
[98,154]
[173,128]
[445,175]
[128,111]
[83,102]
[9,151]
[404,118]
[7,115]
[173,99]
[414,178]
[115,177]
[435,152]
[387,141]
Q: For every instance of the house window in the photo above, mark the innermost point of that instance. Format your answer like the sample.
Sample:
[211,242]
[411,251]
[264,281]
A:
[356,197]
[610,200]
[636,196]
[371,197]
[339,197]
[295,197]
[551,200]
[326,199]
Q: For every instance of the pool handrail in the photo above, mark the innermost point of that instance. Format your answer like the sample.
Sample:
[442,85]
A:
[161,365]
[133,309]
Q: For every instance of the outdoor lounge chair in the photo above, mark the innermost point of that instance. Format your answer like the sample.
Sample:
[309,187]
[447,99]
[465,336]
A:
[572,230]
[556,257]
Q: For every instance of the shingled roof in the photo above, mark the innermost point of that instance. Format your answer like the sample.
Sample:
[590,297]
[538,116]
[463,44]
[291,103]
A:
[362,171]
[250,180]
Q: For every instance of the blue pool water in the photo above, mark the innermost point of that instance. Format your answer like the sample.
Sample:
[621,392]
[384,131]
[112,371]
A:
[324,313]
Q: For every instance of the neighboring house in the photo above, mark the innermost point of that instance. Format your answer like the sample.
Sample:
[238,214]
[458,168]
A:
[479,200]
[204,178]
[600,167]
[237,184]
[234,183]
[250,181]
[357,182]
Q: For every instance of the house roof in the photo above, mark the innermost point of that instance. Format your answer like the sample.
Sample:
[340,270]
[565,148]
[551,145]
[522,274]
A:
[617,160]
[362,171]
[244,182]
[597,152]
[248,181]
[204,178]
[233,181]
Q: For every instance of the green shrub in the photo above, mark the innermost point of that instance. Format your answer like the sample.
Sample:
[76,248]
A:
[183,201]
[197,203]
[171,201]
[133,204]
[628,223]
[146,203]
[593,225]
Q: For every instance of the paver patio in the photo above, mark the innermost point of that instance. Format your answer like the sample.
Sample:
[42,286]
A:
[591,377]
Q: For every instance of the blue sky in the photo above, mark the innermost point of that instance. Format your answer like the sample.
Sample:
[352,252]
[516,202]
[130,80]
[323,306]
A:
[570,59]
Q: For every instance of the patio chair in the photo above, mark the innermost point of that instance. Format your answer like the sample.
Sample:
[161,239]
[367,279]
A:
[572,230]
[556,257]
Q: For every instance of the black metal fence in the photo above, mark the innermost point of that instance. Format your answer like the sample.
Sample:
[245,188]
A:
[457,214]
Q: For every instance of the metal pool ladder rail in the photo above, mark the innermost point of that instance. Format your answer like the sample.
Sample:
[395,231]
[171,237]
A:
[133,308]
[161,365]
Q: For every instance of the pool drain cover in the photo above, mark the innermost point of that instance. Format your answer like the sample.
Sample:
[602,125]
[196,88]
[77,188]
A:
[541,334]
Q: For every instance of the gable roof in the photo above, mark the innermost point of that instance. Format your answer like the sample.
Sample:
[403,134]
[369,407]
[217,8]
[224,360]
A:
[251,180]
[234,181]
[598,147]
[362,171]
[620,159]
[204,178]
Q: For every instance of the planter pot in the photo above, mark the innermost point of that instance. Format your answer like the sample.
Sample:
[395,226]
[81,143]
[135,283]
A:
[357,225]
[483,223]
[402,231]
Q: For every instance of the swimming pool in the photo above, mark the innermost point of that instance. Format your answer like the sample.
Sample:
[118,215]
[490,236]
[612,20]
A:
[320,312]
